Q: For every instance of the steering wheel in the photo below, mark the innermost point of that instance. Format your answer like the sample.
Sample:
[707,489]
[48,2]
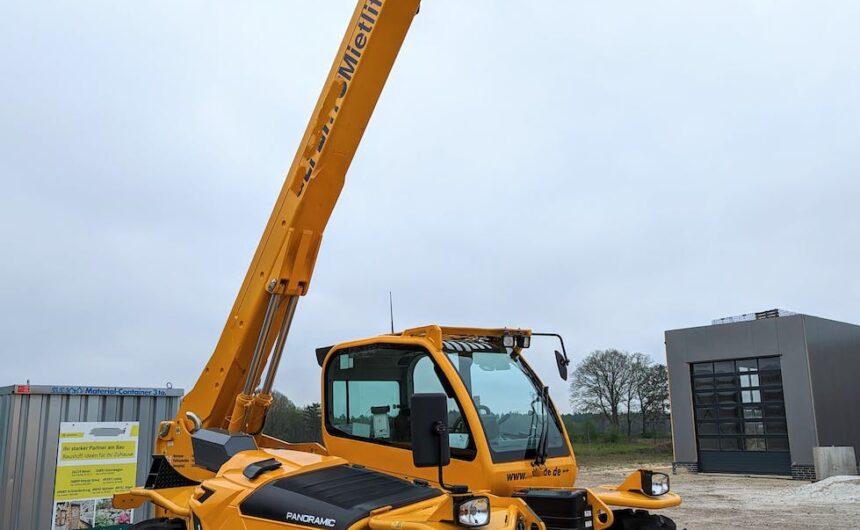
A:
[484,410]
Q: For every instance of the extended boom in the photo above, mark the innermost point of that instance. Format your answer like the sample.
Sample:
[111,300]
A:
[254,335]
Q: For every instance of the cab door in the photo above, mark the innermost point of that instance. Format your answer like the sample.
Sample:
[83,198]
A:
[367,416]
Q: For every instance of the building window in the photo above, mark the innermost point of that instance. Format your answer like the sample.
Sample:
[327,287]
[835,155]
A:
[739,405]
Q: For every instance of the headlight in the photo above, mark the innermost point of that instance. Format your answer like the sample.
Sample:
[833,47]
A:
[654,484]
[474,511]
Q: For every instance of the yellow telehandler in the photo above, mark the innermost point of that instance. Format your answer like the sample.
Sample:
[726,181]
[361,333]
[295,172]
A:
[212,469]
[403,413]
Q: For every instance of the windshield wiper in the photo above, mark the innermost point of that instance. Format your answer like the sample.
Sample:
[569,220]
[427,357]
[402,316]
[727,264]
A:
[543,395]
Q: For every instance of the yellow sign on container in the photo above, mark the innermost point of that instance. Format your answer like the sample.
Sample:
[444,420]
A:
[94,461]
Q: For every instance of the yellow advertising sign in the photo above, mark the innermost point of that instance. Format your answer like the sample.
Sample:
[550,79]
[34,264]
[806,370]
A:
[94,461]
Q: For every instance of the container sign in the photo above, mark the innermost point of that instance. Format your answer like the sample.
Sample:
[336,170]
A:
[94,461]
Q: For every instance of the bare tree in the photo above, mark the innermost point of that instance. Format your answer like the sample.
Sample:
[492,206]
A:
[639,367]
[654,394]
[600,384]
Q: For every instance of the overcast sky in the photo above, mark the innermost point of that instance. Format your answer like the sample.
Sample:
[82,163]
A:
[605,170]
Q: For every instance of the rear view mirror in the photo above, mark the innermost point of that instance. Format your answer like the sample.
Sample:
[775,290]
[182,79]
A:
[430,447]
[561,362]
[561,358]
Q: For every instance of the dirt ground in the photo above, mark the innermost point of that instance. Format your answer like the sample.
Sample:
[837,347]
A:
[717,502]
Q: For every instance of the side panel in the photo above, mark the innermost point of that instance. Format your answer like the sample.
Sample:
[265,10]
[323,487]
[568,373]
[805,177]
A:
[834,363]
[5,431]
[744,462]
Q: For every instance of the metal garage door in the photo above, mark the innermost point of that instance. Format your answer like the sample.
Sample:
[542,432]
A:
[740,416]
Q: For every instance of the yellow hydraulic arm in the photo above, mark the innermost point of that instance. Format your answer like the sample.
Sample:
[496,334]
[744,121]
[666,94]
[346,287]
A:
[226,395]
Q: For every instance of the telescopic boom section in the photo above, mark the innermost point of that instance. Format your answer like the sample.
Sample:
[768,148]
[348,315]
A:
[226,395]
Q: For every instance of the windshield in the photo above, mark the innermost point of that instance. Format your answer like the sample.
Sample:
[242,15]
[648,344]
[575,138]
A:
[509,404]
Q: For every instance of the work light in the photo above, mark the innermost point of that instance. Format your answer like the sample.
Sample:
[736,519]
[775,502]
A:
[474,511]
[516,341]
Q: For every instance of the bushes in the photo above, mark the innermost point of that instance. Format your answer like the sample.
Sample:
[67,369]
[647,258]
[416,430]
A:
[594,428]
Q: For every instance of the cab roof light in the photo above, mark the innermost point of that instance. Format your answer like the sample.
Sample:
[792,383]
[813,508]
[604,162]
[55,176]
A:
[510,340]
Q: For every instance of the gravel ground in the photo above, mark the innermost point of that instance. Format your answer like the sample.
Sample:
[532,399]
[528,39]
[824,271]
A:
[716,502]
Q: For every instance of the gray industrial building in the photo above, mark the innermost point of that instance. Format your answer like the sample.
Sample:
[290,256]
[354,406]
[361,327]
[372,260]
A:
[30,423]
[755,393]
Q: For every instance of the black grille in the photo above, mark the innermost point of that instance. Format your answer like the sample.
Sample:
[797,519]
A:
[162,475]
[559,509]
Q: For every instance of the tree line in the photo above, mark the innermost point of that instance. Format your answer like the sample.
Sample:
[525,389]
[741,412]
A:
[621,387]
[287,421]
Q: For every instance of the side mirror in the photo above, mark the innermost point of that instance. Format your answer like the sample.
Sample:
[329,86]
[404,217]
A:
[430,446]
[561,359]
[561,362]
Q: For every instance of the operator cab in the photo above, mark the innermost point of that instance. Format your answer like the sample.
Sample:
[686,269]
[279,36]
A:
[368,387]
[504,434]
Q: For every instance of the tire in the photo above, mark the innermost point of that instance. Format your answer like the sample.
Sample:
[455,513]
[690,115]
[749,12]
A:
[640,520]
[160,524]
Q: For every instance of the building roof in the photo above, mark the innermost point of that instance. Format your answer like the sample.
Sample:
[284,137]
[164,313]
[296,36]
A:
[83,390]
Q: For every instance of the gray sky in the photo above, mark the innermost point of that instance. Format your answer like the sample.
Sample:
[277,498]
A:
[606,170]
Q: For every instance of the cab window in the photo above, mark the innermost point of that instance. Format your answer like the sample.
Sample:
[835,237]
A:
[513,414]
[369,389]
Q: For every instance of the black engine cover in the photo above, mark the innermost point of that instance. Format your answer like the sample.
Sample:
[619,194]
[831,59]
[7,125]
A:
[331,498]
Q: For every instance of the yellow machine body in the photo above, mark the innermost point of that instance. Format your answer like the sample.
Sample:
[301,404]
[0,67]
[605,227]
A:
[219,502]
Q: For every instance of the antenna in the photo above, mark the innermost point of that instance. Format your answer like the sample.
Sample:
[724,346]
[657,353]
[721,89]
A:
[391,310]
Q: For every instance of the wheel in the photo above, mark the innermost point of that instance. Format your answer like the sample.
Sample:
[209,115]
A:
[640,520]
[162,523]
